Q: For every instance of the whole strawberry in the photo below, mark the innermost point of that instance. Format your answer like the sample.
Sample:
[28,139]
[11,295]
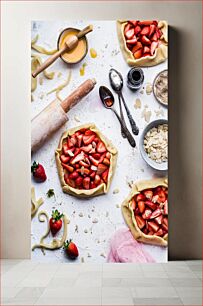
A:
[55,222]
[38,172]
[71,249]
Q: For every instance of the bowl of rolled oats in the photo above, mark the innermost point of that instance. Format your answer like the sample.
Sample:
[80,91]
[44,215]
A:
[154,144]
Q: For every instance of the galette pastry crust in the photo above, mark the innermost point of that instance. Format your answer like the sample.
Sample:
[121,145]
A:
[103,188]
[128,213]
[160,55]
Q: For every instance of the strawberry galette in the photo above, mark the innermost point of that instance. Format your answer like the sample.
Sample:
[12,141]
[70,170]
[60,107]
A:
[143,43]
[86,161]
[146,211]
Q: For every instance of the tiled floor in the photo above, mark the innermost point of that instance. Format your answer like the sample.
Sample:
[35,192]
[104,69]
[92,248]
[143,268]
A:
[29,283]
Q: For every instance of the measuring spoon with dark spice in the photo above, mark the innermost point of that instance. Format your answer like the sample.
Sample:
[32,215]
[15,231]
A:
[107,99]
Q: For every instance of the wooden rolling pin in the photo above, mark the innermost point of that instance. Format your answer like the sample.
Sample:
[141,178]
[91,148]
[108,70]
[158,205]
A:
[51,118]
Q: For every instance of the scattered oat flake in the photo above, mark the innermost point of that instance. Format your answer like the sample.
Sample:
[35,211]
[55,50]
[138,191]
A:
[107,214]
[117,205]
[82,259]
[32,98]
[95,220]
[116,191]
[76,228]
[103,255]
[41,96]
[59,74]
[146,115]
[81,215]
[85,231]
[159,112]
[89,216]
[138,103]
[148,88]
[41,80]
[76,119]
[141,91]
[89,255]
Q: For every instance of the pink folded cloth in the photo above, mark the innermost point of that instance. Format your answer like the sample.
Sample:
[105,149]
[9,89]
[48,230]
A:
[124,248]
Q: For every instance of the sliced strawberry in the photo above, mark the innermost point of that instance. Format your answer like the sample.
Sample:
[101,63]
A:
[147,213]
[133,204]
[166,207]
[153,226]
[67,167]
[154,37]
[156,213]
[101,148]
[102,158]
[105,175]
[72,141]
[148,194]
[140,221]
[145,22]
[92,185]
[87,139]
[146,49]
[79,181]
[89,132]
[153,47]
[79,140]
[78,158]
[133,22]
[165,227]
[158,33]
[106,161]
[145,40]
[162,196]
[151,205]
[155,23]
[101,168]
[127,27]
[165,221]
[145,231]
[71,182]
[137,47]
[132,41]
[86,149]
[83,164]
[141,206]
[145,30]
[74,175]
[140,197]
[83,171]
[86,183]
[96,155]
[150,233]
[64,159]
[136,212]
[159,232]
[108,155]
[65,148]
[94,161]
[137,54]
[159,219]
[129,34]
[97,180]
[92,174]
[152,28]
[137,29]
[147,54]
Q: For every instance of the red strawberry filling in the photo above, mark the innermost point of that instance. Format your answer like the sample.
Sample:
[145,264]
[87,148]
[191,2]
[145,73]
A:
[85,160]
[142,37]
[150,209]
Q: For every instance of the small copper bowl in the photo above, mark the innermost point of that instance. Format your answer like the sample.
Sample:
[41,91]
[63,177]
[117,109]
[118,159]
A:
[82,43]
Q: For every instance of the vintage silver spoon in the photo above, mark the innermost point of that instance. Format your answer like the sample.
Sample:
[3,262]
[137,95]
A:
[116,81]
[107,99]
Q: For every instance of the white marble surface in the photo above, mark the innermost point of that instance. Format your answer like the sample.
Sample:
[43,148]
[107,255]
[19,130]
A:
[130,166]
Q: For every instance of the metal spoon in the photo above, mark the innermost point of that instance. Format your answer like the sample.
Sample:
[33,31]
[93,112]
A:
[107,99]
[116,81]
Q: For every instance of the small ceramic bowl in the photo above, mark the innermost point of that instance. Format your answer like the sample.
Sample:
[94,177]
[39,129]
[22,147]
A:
[163,166]
[81,41]
[159,100]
